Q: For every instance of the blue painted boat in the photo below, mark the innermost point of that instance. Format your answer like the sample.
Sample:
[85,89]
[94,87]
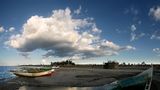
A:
[141,81]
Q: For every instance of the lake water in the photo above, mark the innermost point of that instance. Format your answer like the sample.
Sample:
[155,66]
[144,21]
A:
[5,73]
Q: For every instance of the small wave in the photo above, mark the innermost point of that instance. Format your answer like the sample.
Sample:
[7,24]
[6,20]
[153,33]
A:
[4,76]
[5,73]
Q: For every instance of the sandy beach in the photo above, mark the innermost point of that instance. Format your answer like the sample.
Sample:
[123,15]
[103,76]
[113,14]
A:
[71,77]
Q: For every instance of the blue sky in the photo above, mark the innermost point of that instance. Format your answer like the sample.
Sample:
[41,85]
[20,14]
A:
[122,23]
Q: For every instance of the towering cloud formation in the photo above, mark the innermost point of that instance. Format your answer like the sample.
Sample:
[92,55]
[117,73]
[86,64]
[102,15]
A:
[62,35]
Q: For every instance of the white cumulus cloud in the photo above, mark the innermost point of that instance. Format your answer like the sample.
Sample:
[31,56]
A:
[1,29]
[157,50]
[134,34]
[155,12]
[63,36]
[133,28]
[78,11]
[11,29]
[155,35]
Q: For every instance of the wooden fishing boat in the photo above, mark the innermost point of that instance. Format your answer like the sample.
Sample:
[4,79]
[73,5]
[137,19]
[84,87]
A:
[34,72]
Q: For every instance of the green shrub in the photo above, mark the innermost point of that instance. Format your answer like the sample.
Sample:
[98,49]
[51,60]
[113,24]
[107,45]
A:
[110,65]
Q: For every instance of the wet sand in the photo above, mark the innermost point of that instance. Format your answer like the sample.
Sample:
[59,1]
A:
[71,77]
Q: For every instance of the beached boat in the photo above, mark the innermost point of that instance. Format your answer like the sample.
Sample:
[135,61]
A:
[141,81]
[34,72]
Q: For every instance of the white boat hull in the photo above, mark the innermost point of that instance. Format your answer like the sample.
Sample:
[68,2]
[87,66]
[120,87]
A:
[38,74]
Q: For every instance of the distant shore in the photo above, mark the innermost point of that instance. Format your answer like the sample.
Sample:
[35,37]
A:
[72,77]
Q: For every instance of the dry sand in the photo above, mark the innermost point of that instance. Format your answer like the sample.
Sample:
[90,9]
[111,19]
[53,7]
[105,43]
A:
[72,77]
